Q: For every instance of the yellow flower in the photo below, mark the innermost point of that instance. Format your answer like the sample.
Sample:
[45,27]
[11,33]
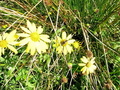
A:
[88,65]
[36,42]
[77,44]
[63,45]
[4,26]
[7,41]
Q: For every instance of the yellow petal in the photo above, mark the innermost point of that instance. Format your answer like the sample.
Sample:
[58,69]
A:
[33,29]
[28,47]
[14,43]
[39,30]
[10,36]
[81,64]
[69,37]
[76,44]
[58,38]
[45,38]
[43,45]
[31,26]
[55,45]
[0,37]
[38,50]
[91,70]
[23,34]
[84,69]
[33,49]
[71,41]
[69,48]
[5,35]
[12,49]
[64,51]
[92,60]
[3,50]
[87,71]
[59,49]
[12,33]
[93,67]
[84,59]
[24,41]
[64,35]
[0,51]
[25,29]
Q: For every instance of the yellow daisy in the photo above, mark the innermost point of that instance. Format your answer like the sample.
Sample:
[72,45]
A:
[7,41]
[63,45]
[77,44]
[36,42]
[88,65]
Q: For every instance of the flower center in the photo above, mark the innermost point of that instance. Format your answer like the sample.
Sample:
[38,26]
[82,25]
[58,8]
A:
[88,64]
[3,43]
[63,42]
[16,36]
[35,36]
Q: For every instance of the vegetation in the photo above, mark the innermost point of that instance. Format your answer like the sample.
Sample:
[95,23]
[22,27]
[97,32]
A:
[60,45]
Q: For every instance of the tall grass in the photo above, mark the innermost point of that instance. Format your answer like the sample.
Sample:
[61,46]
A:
[94,23]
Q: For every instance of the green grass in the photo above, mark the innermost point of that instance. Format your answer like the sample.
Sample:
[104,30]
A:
[94,23]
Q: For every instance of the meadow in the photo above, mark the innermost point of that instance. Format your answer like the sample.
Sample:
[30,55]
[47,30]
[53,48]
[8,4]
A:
[59,44]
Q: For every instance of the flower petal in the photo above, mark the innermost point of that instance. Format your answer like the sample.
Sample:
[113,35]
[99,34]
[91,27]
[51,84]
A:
[39,30]
[0,37]
[92,60]
[12,49]
[69,48]
[38,47]
[23,34]
[33,29]
[84,69]
[58,39]
[10,36]
[24,41]
[31,26]
[0,51]
[69,37]
[43,45]
[71,41]
[87,71]
[14,43]
[3,50]
[5,35]
[25,29]
[45,38]
[28,47]
[64,35]
[65,51]
[93,67]
[81,64]
[59,49]
[84,59]
[33,49]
